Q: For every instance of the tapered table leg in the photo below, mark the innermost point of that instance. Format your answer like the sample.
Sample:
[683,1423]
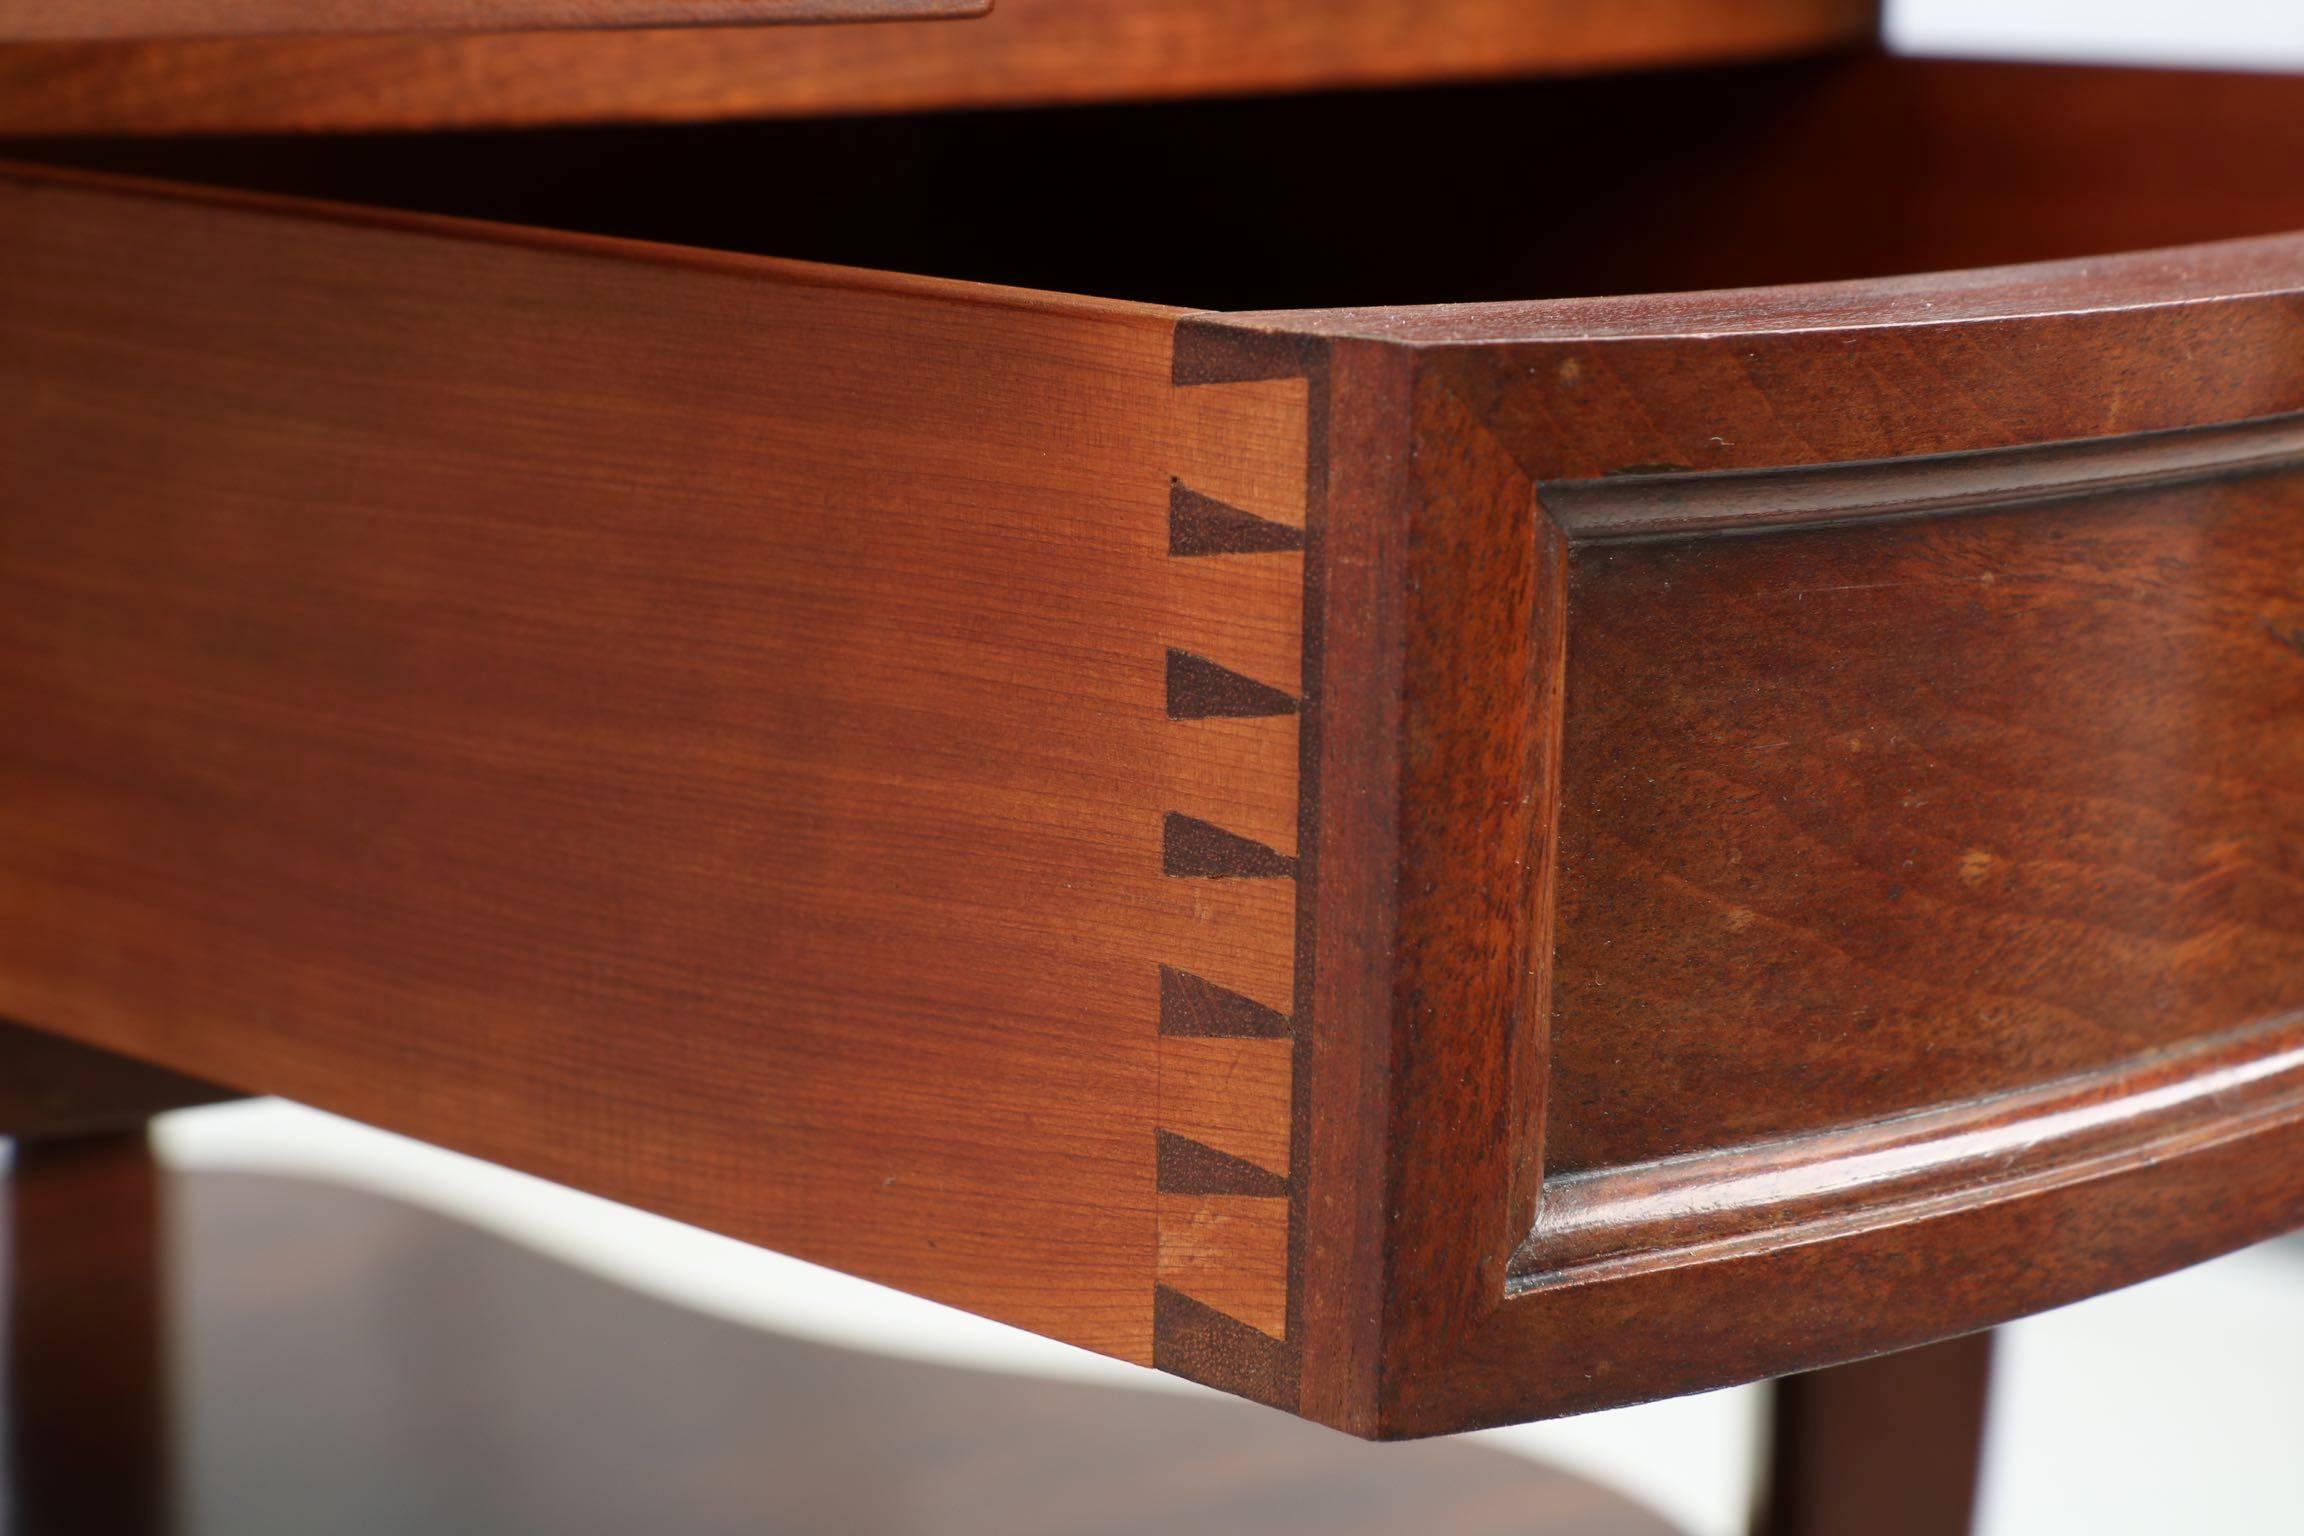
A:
[87,1446]
[1884,1447]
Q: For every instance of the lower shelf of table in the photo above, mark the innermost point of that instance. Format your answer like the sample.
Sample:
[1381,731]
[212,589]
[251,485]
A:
[339,1361]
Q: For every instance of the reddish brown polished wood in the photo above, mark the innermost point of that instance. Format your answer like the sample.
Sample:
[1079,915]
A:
[86,1333]
[1560,449]
[808,889]
[53,1087]
[80,20]
[1980,149]
[1890,1445]
[1025,52]
[1428,865]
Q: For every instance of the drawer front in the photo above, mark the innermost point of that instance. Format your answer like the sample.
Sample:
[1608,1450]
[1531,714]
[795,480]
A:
[1935,805]
[80,20]
[1842,820]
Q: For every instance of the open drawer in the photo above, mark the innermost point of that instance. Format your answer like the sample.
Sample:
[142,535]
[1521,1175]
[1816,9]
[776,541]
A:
[1427,865]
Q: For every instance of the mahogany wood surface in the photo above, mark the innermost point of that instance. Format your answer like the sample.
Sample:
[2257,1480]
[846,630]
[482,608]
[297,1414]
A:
[1533,434]
[1890,1446]
[351,1364]
[2039,821]
[623,785]
[53,1087]
[2005,163]
[81,20]
[86,1334]
[2147,1162]
[1025,52]
[1426,864]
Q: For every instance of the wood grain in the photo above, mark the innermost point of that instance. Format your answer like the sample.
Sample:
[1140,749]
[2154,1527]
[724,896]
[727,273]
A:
[1716,1181]
[1853,1175]
[1230,1253]
[85,1311]
[1429,865]
[2167,158]
[1232,1095]
[2037,815]
[84,20]
[1892,1445]
[50,1086]
[1242,719]
[1025,52]
[694,728]
[1632,508]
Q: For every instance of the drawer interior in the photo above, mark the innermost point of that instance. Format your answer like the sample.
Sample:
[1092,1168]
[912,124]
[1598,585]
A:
[1839,168]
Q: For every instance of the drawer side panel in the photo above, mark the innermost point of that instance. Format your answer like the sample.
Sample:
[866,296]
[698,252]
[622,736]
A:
[694,729]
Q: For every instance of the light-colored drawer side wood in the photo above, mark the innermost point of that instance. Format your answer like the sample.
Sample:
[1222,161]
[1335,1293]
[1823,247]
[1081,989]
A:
[703,730]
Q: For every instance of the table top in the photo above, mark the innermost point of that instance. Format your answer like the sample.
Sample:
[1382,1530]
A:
[1026,52]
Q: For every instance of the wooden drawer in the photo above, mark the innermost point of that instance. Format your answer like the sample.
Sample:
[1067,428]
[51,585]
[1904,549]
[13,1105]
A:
[1426,865]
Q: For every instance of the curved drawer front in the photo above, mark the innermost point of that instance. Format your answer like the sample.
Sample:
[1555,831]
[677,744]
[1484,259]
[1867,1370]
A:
[1878,704]
[1427,866]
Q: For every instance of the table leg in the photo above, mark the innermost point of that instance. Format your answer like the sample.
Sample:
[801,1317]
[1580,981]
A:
[87,1447]
[1884,1447]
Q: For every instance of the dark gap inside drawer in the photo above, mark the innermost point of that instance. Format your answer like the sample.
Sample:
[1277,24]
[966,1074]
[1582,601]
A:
[1834,168]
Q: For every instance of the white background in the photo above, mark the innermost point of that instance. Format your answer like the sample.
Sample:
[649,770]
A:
[2243,34]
